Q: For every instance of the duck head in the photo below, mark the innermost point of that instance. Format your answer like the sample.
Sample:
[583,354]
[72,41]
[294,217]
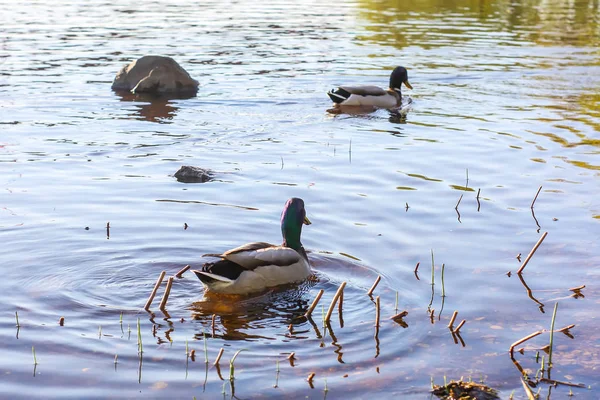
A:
[292,219]
[398,77]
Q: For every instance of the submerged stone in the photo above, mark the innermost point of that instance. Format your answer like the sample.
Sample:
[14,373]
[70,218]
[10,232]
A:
[190,174]
[155,74]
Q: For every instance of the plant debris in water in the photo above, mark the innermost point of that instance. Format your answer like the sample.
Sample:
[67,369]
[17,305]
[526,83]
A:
[459,390]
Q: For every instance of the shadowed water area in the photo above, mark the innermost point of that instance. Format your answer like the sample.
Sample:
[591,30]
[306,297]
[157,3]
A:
[505,100]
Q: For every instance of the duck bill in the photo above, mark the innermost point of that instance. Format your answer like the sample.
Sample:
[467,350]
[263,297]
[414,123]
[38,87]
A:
[306,221]
[408,85]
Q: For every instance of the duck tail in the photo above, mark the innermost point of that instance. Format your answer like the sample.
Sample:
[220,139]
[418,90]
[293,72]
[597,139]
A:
[339,95]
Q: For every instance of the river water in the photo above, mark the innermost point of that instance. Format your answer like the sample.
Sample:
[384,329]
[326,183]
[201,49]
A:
[505,100]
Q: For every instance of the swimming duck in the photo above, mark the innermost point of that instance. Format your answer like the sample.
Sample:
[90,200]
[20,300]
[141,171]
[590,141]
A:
[373,96]
[255,266]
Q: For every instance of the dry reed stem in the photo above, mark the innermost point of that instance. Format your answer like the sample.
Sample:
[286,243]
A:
[526,338]
[370,292]
[460,326]
[554,382]
[292,356]
[539,242]
[334,300]
[536,196]
[314,303]
[219,356]
[478,191]
[291,328]
[399,315]
[163,302]
[454,315]
[417,267]
[530,395]
[212,324]
[377,311]
[577,288]
[181,271]
[459,199]
[61,321]
[156,286]
[566,328]
[310,377]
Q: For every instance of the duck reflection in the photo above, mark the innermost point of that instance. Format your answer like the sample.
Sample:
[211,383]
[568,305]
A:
[153,108]
[237,316]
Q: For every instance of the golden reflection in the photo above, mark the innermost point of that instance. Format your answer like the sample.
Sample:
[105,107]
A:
[562,22]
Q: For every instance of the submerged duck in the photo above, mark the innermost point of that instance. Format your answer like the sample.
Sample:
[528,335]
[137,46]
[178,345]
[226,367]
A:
[373,96]
[259,265]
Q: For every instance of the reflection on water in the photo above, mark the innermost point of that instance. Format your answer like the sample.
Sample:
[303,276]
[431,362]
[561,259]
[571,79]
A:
[505,101]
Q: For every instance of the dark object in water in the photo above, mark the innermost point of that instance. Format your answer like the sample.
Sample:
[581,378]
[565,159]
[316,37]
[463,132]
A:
[189,174]
[155,74]
[465,391]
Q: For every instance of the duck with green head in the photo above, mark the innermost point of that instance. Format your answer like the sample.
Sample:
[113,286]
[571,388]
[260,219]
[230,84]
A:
[373,96]
[256,266]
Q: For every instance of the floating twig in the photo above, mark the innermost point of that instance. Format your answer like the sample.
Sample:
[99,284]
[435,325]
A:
[163,302]
[219,357]
[452,319]
[156,286]
[377,311]
[370,292]
[182,270]
[518,342]
[539,242]
[535,198]
[334,300]
[314,304]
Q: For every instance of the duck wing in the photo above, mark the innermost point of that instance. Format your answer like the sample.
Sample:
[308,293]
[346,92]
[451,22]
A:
[256,254]
[365,90]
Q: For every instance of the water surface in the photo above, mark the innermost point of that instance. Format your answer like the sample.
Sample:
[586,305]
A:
[505,100]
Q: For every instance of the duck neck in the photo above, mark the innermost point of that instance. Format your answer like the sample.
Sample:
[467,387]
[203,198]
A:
[291,237]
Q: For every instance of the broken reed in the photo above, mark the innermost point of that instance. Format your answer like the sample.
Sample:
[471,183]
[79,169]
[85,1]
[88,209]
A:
[218,357]
[232,366]
[156,286]
[163,303]
[539,242]
[370,292]
[334,300]
[17,317]
[377,311]
[182,270]
[314,304]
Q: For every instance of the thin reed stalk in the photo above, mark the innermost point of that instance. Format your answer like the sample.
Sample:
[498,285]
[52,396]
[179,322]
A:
[163,302]
[17,317]
[370,292]
[34,357]
[536,196]
[552,335]
[156,286]
[334,300]
[377,311]
[443,288]
[452,319]
[182,270]
[314,303]
[539,242]
[219,357]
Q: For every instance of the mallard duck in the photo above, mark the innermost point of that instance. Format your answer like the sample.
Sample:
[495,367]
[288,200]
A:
[373,96]
[259,265]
